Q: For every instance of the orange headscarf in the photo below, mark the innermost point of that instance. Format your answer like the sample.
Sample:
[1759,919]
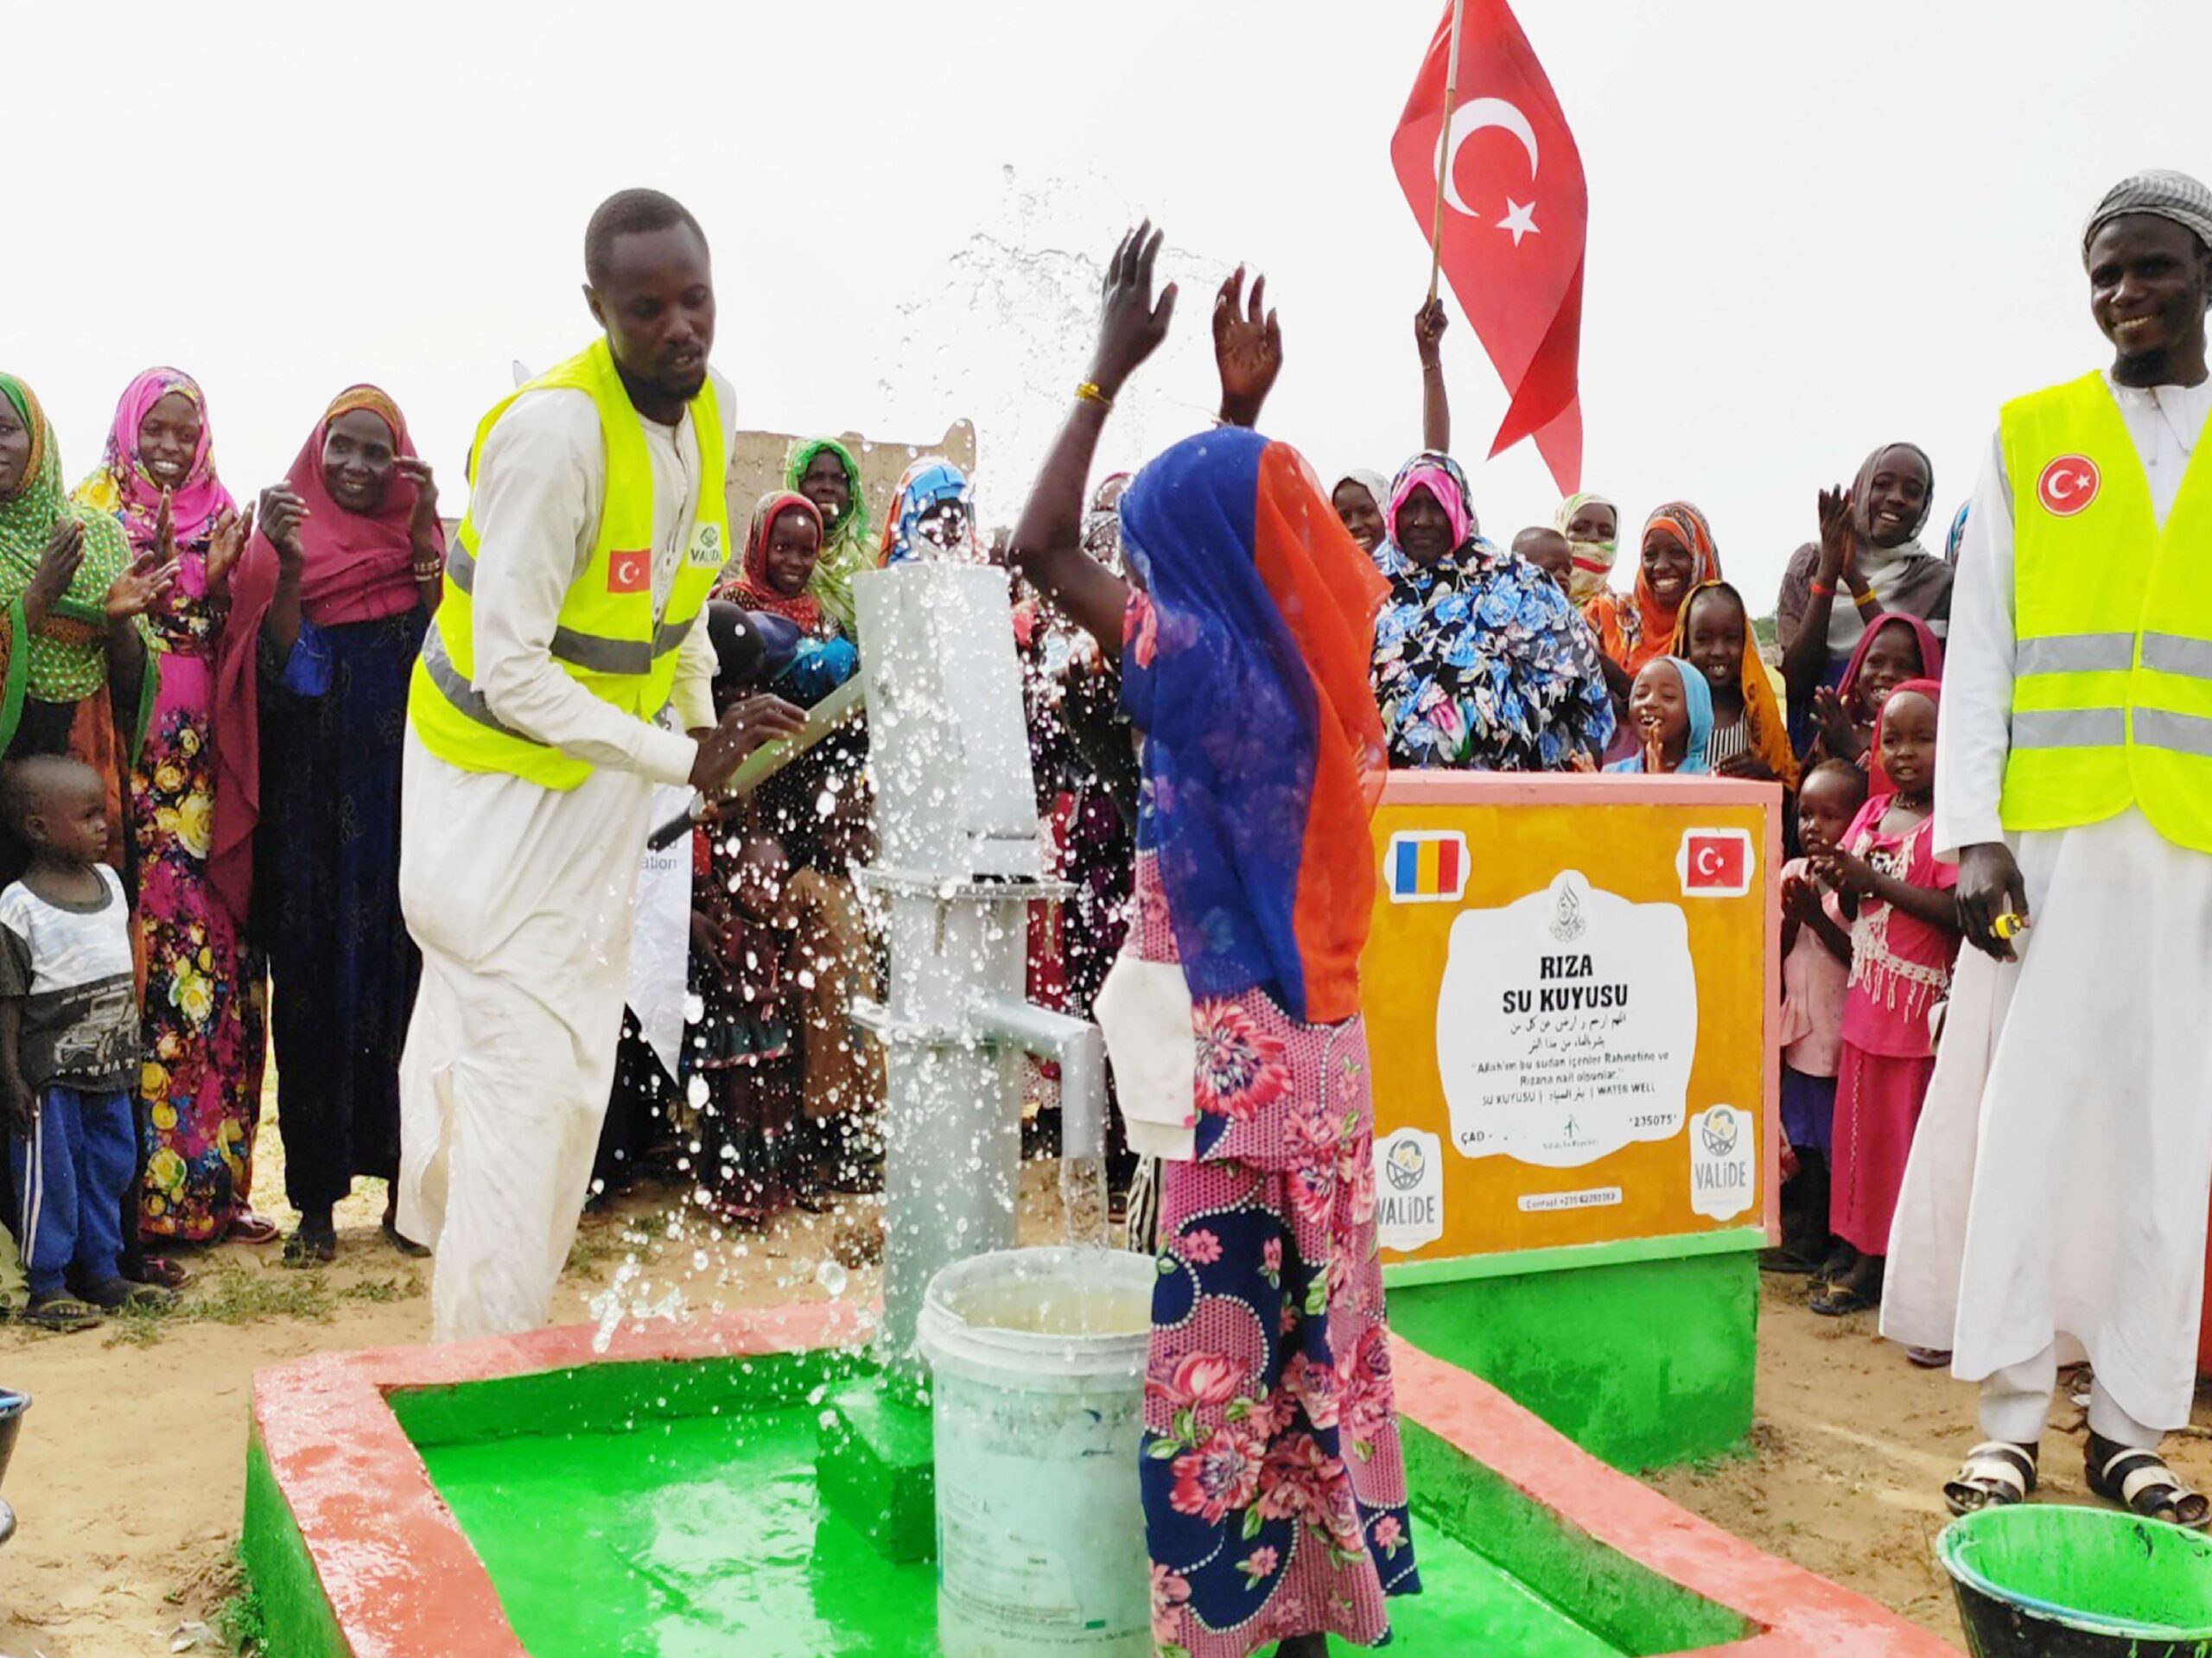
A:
[1769,731]
[1631,628]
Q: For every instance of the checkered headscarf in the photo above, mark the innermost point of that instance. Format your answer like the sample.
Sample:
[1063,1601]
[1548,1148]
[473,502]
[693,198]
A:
[2161,192]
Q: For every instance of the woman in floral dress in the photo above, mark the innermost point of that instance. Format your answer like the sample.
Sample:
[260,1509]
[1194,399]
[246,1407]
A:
[206,994]
[1274,1487]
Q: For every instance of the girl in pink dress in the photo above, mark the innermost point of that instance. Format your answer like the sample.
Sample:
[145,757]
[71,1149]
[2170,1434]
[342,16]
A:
[1904,937]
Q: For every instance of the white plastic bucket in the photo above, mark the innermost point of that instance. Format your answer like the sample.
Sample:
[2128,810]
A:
[1038,1360]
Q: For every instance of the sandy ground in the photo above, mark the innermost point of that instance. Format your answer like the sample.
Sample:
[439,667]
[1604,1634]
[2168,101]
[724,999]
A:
[128,1479]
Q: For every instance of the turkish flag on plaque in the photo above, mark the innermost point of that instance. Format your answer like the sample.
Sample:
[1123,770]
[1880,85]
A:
[1515,212]
[1715,862]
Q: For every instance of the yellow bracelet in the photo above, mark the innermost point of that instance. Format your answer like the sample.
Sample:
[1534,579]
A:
[1090,392]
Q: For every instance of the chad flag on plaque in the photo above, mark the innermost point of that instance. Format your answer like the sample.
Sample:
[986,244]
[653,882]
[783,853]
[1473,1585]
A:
[1426,867]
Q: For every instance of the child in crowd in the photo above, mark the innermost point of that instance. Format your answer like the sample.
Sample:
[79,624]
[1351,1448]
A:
[69,1044]
[774,579]
[1670,705]
[1750,737]
[1548,549]
[1896,648]
[1904,937]
[1816,975]
[742,930]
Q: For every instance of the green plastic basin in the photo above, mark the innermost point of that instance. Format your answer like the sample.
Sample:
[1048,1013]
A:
[2041,1581]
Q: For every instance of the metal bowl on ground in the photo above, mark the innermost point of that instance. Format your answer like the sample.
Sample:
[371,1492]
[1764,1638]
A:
[12,1407]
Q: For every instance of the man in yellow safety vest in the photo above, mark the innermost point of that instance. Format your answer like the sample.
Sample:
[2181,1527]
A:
[563,676]
[2068,1133]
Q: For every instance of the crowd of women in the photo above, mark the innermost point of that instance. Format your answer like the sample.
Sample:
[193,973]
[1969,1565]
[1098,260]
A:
[239,674]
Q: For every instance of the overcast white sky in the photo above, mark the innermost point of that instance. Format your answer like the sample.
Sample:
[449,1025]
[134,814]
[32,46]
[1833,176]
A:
[1813,227]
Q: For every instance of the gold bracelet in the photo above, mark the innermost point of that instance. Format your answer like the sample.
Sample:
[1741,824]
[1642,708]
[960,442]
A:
[1088,391]
[1862,599]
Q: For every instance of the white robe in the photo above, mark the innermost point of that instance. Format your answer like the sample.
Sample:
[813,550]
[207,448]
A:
[2058,1188]
[521,896]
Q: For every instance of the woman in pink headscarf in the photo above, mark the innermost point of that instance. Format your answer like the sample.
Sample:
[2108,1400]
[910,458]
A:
[326,618]
[206,996]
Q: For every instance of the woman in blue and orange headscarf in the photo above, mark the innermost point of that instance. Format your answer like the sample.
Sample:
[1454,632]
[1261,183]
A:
[931,516]
[206,994]
[1274,1488]
[1678,557]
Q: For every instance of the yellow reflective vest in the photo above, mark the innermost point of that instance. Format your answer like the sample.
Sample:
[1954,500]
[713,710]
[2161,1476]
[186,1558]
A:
[607,639]
[2112,693]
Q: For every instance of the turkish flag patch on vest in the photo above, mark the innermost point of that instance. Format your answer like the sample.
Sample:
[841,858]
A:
[2068,485]
[630,572]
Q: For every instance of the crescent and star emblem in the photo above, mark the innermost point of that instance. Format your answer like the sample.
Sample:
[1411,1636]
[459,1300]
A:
[1477,116]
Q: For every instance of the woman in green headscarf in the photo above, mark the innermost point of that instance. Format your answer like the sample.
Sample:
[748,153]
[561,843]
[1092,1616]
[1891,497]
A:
[823,470]
[75,677]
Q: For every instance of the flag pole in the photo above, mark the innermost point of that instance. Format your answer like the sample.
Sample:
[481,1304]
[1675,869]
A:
[1444,149]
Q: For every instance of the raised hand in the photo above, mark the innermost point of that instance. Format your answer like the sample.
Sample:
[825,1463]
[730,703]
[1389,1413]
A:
[1429,324]
[1247,349]
[1839,539]
[422,520]
[226,546]
[141,587]
[282,514]
[1131,324]
[749,723]
[57,569]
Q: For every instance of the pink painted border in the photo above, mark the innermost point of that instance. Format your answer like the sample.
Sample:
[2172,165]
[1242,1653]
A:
[403,1581]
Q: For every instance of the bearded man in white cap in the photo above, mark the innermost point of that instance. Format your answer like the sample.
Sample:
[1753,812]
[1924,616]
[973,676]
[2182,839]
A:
[2076,793]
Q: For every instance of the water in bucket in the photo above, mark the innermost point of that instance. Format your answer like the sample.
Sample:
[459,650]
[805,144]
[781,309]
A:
[2041,1581]
[1037,1399]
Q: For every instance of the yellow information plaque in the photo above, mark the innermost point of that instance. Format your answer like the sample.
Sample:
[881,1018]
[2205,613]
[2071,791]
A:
[1572,992]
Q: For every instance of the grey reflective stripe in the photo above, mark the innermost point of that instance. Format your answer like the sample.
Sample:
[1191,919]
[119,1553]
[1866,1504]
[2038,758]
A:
[2076,654]
[2069,728]
[2185,733]
[461,565]
[458,691]
[599,654]
[2170,653]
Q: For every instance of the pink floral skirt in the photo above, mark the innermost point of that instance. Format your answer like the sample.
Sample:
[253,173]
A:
[1274,1491]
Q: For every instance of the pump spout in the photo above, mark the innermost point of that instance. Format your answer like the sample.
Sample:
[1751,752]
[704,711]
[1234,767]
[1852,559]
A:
[1075,1045]
[1079,1048]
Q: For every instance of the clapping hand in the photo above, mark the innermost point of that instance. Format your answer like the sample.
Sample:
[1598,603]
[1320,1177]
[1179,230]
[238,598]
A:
[226,546]
[57,569]
[1837,729]
[1247,349]
[141,587]
[422,526]
[1838,538]
[282,514]
[1131,324]
[1844,872]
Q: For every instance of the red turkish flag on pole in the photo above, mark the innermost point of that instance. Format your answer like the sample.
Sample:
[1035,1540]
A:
[1514,210]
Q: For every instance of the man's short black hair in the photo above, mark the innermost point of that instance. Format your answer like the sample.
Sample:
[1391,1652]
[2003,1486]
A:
[627,212]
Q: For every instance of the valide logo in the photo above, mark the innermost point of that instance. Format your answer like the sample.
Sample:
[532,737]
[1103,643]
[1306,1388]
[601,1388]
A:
[1715,862]
[1408,1189]
[1724,1173]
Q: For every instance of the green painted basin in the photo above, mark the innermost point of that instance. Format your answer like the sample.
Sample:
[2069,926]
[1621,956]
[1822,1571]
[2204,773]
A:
[2038,1580]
